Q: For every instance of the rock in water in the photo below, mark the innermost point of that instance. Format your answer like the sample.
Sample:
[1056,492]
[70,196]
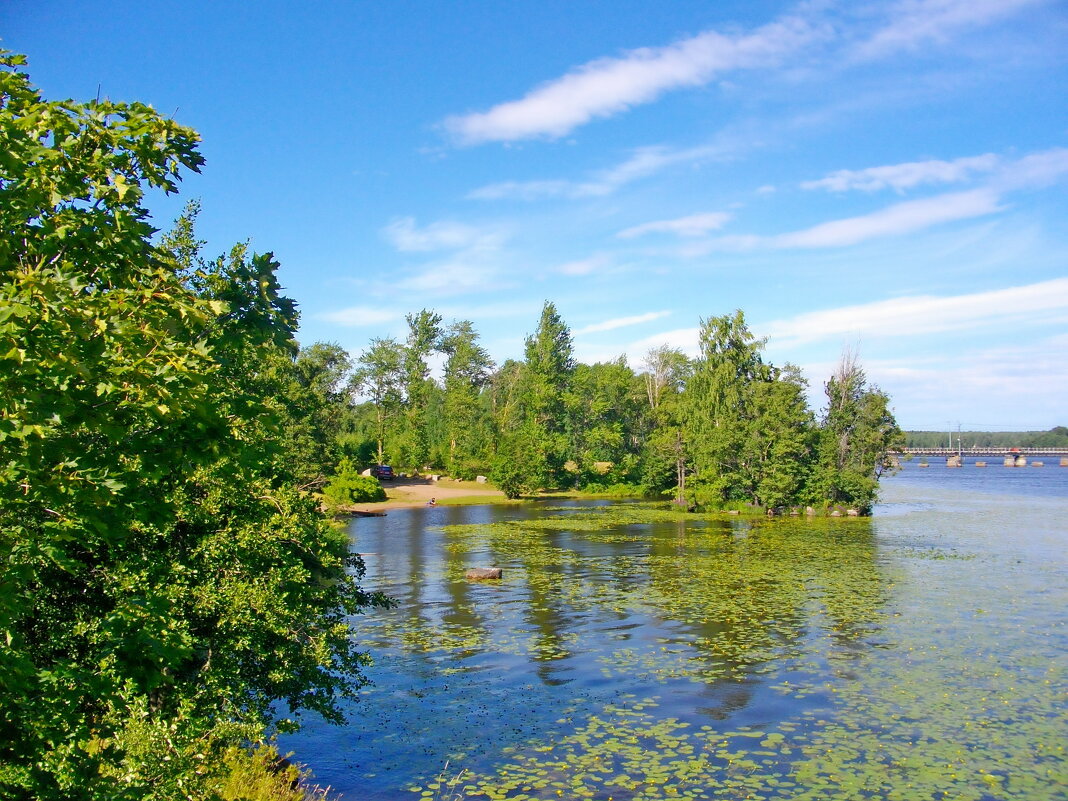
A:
[485,573]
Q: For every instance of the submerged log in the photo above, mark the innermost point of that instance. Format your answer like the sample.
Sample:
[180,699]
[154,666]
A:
[485,573]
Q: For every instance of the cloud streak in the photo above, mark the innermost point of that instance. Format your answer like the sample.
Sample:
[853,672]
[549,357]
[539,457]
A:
[609,86]
[915,23]
[901,218]
[407,237]
[642,162]
[905,176]
[622,322]
[693,225]
[926,314]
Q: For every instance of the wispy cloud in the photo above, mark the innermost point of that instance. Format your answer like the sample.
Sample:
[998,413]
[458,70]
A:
[608,86]
[693,225]
[926,314]
[641,163]
[593,264]
[901,218]
[1034,170]
[905,176]
[622,322]
[406,236]
[453,277]
[359,316]
[915,23]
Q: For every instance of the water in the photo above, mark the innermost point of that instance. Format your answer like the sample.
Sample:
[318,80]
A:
[918,654]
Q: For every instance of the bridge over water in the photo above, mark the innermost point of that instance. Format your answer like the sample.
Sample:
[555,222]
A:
[979,451]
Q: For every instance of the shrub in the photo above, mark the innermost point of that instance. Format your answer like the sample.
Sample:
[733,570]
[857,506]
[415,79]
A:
[349,487]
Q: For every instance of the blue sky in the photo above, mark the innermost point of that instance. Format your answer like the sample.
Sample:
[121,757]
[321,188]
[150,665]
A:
[885,176]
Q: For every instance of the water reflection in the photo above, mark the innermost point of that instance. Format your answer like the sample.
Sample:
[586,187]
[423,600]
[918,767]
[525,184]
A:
[602,607]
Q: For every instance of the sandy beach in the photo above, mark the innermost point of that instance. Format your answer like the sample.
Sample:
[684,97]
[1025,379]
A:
[407,492]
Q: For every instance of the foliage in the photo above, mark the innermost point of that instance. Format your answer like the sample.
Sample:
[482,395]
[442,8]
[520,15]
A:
[424,335]
[1056,437]
[166,591]
[467,371]
[349,487]
[379,375]
[857,440]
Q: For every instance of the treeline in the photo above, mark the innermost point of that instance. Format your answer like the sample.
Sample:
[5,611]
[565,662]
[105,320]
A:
[1056,437]
[724,429]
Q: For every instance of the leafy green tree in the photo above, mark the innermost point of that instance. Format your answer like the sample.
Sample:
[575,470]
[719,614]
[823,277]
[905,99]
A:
[467,371]
[664,454]
[424,335]
[719,407]
[317,411]
[780,439]
[605,419]
[165,592]
[546,382]
[858,438]
[379,375]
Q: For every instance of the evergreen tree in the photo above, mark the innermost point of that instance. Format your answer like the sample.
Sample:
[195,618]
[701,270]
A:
[546,382]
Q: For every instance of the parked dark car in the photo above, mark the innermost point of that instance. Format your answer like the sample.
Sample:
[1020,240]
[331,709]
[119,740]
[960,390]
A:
[383,472]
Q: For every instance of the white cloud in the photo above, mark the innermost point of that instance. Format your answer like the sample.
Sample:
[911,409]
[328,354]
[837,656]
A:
[406,236]
[1034,170]
[905,176]
[622,322]
[1034,303]
[693,225]
[642,162]
[357,316]
[915,23]
[522,190]
[608,86]
[453,278]
[901,218]
[585,266]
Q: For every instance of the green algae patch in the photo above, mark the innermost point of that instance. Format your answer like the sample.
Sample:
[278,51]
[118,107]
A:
[641,652]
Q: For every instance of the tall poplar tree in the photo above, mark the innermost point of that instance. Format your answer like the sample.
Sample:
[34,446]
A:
[467,370]
[424,334]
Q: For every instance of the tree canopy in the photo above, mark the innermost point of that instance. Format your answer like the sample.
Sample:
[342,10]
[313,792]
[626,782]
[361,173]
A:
[167,590]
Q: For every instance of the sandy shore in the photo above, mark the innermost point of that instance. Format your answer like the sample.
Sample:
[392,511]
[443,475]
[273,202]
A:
[407,492]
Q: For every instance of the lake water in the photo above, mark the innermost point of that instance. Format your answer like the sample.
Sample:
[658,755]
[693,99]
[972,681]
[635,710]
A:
[918,654]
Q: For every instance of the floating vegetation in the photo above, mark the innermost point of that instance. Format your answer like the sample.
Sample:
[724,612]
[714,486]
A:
[639,653]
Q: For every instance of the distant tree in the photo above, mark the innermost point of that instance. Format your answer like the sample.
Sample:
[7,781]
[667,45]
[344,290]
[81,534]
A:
[467,370]
[424,335]
[858,439]
[545,382]
[606,420]
[780,442]
[719,408]
[379,375]
[664,458]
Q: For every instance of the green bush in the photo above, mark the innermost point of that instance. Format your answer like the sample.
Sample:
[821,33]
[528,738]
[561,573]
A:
[349,487]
